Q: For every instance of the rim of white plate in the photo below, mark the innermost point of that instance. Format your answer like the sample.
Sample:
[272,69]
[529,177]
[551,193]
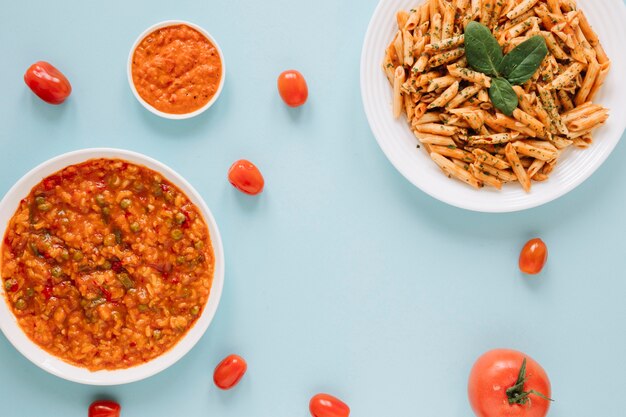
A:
[400,145]
[56,366]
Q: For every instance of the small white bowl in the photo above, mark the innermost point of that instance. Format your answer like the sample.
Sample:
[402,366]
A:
[129,70]
[53,364]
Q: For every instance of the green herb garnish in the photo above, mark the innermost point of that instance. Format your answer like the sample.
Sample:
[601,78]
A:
[522,62]
[485,55]
[503,96]
[482,49]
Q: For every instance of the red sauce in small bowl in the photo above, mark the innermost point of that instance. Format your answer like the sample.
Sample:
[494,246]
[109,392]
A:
[176,69]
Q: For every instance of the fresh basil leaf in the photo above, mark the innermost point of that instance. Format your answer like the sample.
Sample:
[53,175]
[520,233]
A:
[522,62]
[503,96]
[481,49]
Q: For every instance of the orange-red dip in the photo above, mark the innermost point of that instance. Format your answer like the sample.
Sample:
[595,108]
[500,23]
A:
[106,264]
[176,69]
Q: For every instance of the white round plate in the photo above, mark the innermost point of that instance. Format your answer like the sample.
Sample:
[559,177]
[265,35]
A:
[62,369]
[607,17]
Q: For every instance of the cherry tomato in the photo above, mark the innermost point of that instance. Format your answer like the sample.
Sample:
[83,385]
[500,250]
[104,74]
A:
[533,257]
[229,372]
[292,88]
[47,82]
[104,409]
[324,405]
[508,383]
[246,177]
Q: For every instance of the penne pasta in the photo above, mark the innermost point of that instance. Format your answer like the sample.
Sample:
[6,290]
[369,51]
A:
[524,148]
[518,168]
[420,110]
[470,75]
[583,142]
[433,7]
[565,100]
[461,164]
[419,45]
[495,139]
[453,170]
[435,28]
[474,120]
[421,64]
[497,12]
[535,167]
[531,122]
[429,139]
[489,159]
[581,112]
[472,10]
[520,28]
[461,7]
[446,44]
[512,124]
[425,79]
[401,18]
[399,47]
[407,43]
[431,117]
[454,152]
[398,80]
[446,57]
[542,144]
[441,82]
[485,177]
[589,122]
[550,107]
[593,71]
[562,80]
[413,20]
[448,21]
[463,96]
[446,96]
[521,8]
[553,46]
[424,14]
[436,129]
[486,12]
[501,174]
[448,105]
[604,71]
[409,106]
[560,142]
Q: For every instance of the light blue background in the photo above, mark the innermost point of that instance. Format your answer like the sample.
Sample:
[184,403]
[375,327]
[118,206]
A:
[342,277]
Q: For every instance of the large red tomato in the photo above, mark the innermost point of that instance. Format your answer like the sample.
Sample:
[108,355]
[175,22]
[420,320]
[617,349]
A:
[508,383]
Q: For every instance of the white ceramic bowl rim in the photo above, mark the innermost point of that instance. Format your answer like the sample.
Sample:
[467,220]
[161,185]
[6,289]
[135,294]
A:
[54,365]
[129,70]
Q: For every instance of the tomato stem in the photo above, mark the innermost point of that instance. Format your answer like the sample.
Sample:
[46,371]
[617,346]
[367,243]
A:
[516,393]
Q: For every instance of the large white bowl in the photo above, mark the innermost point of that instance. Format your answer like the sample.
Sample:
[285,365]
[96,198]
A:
[399,144]
[129,70]
[62,369]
